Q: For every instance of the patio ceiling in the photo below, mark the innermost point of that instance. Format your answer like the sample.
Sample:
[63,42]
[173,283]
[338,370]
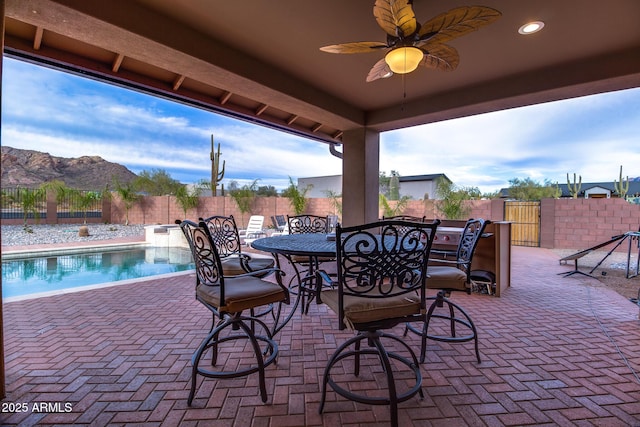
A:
[260,60]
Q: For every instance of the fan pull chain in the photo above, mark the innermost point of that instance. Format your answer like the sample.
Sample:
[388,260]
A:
[404,92]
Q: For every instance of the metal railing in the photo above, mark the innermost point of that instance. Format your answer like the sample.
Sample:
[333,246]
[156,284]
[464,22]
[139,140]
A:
[80,204]
[23,203]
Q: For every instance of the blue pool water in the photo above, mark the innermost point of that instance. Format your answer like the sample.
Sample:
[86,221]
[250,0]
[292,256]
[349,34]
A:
[21,277]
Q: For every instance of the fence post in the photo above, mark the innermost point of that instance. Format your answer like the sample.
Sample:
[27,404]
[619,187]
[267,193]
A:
[547,223]
[51,208]
[106,210]
[497,210]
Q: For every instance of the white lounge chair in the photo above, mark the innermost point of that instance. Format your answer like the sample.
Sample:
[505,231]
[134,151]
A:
[254,230]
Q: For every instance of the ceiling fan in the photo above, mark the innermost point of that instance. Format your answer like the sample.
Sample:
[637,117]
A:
[411,44]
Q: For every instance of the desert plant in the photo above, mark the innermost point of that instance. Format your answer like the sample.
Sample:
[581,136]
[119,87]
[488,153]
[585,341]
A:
[574,189]
[336,201]
[128,195]
[244,196]
[216,173]
[157,182]
[188,199]
[530,190]
[451,202]
[83,200]
[29,199]
[620,187]
[57,187]
[394,186]
[398,209]
[297,197]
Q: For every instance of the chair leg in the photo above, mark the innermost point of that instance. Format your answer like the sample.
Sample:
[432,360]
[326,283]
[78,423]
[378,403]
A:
[456,316]
[391,383]
[258,352]
[195,359]
[247,325]
[334,358]
[374,347]
[214,348]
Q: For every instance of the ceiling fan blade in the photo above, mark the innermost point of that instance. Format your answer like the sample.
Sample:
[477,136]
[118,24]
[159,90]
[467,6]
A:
[440,57]
[457,22]
[355,47]
[395,17]
[380,70]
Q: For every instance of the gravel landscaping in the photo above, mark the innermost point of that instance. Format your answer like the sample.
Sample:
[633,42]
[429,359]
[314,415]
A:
[42,234]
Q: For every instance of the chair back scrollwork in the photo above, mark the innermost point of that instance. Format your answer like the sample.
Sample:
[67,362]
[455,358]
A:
[205,255]
[304,224]
[224,233]
[385,259]
[468,242]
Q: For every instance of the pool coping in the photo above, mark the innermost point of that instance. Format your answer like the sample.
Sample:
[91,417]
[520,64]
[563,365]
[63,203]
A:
[71,250]
[93,287]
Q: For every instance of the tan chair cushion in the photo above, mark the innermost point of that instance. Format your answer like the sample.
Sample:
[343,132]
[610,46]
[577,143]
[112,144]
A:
[231,265]
[364,310]
[443,277]
[241,294]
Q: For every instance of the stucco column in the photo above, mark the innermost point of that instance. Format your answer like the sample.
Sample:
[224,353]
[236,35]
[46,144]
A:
[360,176]
[2,377]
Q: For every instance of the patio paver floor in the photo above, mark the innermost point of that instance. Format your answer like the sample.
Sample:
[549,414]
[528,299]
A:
[556,351]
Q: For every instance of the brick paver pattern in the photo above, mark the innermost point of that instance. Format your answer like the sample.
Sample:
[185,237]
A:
[555,351]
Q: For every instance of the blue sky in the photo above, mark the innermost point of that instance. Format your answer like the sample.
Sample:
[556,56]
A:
[70,116]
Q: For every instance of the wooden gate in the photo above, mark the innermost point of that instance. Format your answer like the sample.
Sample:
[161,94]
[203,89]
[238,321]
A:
[525,219]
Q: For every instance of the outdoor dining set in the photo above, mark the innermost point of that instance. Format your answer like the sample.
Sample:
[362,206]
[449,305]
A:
[373,276]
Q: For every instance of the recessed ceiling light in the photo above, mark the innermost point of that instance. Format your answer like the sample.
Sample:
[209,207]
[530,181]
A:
[531,27]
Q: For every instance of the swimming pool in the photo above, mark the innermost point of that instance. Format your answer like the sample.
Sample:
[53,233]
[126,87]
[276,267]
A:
[40,276]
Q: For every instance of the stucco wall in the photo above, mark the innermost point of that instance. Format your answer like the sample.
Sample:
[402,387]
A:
[565,223]
[583,223]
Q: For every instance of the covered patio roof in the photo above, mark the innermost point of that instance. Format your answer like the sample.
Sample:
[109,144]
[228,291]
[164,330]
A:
[260,60]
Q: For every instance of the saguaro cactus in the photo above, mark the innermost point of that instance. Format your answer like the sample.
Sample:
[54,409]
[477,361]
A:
[620,186]
[394,186]
[216,173]
[574,189]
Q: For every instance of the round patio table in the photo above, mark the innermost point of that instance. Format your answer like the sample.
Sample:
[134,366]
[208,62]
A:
[315,246]
[311,244]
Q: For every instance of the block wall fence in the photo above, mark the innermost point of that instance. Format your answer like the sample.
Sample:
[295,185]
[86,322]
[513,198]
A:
[564,223]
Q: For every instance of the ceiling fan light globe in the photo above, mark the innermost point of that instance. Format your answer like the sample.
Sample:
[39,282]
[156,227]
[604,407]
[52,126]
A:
[403,60]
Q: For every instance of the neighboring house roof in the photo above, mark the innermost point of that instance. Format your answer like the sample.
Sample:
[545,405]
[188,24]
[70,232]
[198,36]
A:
[634,188]
[428,177]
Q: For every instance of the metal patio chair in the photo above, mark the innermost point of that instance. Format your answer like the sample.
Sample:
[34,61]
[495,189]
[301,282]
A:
[228,298]
[448,276]
[224,233]
[381,282]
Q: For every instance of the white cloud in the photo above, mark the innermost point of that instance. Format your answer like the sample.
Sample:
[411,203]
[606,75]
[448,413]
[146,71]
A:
[587,135]
[68,116]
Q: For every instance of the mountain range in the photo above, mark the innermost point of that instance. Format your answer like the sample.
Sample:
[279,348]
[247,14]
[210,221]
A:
[30,168]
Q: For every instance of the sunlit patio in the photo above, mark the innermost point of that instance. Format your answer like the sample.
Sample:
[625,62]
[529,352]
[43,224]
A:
[555,351]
